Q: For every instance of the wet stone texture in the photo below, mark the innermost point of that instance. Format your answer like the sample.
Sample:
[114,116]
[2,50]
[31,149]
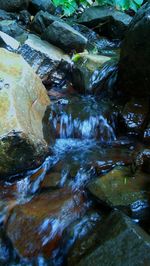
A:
[121,242]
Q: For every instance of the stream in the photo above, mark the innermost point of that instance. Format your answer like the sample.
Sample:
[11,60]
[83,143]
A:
[54,210]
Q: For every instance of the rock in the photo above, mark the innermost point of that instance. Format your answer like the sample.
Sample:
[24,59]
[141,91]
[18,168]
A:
[23,104]
[36,228]
[146,135]
[107,20]
[90,72]
[14,5]
[121,242]
[65,37]
[42,20]
[120,187]
[6,15]
[7,41]
[135,114]
[13,29]
[143,159]
[37,5]
[134,71]
[46,59]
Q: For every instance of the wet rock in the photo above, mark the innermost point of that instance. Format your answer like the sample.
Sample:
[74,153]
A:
[23,105]
[146,135]
[6,15]
[143,160]
[14,5]
[46,59]
[83,71]
[135,115]
[65,37]
[45,5]
[51,180]
[13,29]
[42,20]
[121,242]
[37,226]
[120,187]
[134,73]
[108,21]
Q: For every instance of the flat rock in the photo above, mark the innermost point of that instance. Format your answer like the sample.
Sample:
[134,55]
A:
[120,188]
[121,242]
[23,102]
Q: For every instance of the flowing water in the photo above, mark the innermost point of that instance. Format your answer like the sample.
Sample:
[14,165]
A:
[53,208]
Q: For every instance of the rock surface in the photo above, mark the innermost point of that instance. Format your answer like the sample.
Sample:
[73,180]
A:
[45,5]
[121,242]
[23,102]
[134,70]
[120,188]
[15,5]
[43,57]
[107,20]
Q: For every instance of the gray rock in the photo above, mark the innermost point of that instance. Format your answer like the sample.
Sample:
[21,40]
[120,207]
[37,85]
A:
[65,37]
[6,15]
[121,243]
[7,41]
[13,29]
[14,5]
[134,70]
[42,20]
[108,20]
[45,5]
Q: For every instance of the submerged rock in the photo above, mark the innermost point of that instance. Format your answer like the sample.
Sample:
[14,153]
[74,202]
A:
[23,102]
[120,187]
[36,228]
[14,5]
[44,58]
[106,20]
[134,70]
[121,242]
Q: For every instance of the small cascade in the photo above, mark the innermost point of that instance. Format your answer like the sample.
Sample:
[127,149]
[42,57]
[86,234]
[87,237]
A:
[82,119]
[94,127]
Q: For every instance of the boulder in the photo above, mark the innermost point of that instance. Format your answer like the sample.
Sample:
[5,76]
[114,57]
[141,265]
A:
[134,69]
[14,5]
[23,102]
[45,59]
[65,37]
[120,188]
[37,5]
[106,20]
[121,242]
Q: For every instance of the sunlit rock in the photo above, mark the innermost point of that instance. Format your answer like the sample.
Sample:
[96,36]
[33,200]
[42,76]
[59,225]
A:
[23,102]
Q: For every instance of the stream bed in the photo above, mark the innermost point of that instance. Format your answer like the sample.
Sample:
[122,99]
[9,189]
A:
[50,215]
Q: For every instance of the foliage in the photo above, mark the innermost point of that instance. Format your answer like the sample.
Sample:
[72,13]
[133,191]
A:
[70,6]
